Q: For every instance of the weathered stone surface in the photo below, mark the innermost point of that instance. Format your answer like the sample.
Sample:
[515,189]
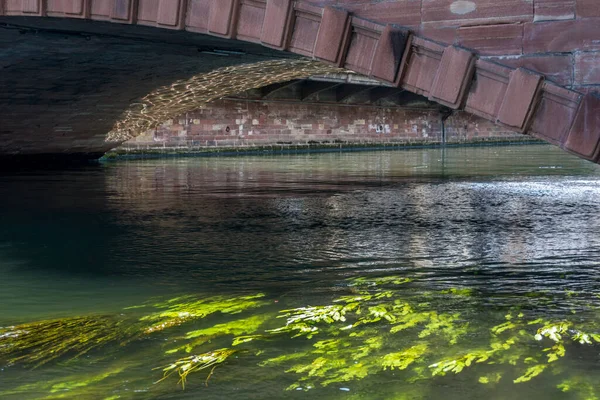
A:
[275,33]
[587,8]
[363,43]
[487,90]
[102,10]
[222,19]
[197,16]
[520,99]
[454,74]
[147,11]
[171,14]
[122,10]
[402,12]
[24,7]
[552,10]
[587,68]
[482,12]
[555,113]
[438,32]
[584,137]
[502,39]
[557,68]
[587,89]
[71,9]
[388,54]
[333,36]
[307,21]
[561,36]
[251,16]
[419,65]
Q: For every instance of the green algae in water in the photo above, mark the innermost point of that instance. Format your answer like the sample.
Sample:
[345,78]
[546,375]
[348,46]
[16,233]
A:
[378,281]
[358,350]
[40,342]
[74,386]
[356,354]
[378,329]
[188,308]
[186,366]
[235,328]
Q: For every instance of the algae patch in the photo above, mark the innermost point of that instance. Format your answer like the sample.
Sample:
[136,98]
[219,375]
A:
[375,327]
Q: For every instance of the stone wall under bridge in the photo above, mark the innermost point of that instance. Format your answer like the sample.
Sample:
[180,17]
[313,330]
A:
[242,125]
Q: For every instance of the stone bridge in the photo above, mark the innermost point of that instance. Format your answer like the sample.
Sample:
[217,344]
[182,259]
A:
[78,77]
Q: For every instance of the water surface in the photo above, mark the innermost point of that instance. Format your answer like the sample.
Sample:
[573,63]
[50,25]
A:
[483,234]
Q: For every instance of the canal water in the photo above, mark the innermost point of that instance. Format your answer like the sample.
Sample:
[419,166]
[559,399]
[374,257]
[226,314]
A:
[463,273]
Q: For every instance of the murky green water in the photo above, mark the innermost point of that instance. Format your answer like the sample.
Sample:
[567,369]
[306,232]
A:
[459,274]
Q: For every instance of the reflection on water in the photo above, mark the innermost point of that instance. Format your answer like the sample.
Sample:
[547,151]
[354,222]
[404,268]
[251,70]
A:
[494,255]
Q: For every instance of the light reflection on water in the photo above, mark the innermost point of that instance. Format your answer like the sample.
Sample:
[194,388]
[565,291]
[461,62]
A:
[520,226]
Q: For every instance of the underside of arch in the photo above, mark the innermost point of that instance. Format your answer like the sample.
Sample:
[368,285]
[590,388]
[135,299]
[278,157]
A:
[189,94]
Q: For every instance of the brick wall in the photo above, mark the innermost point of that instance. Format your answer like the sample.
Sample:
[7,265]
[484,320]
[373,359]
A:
[255,123]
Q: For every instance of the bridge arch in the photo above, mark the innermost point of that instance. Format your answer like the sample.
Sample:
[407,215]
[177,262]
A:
[520,99]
